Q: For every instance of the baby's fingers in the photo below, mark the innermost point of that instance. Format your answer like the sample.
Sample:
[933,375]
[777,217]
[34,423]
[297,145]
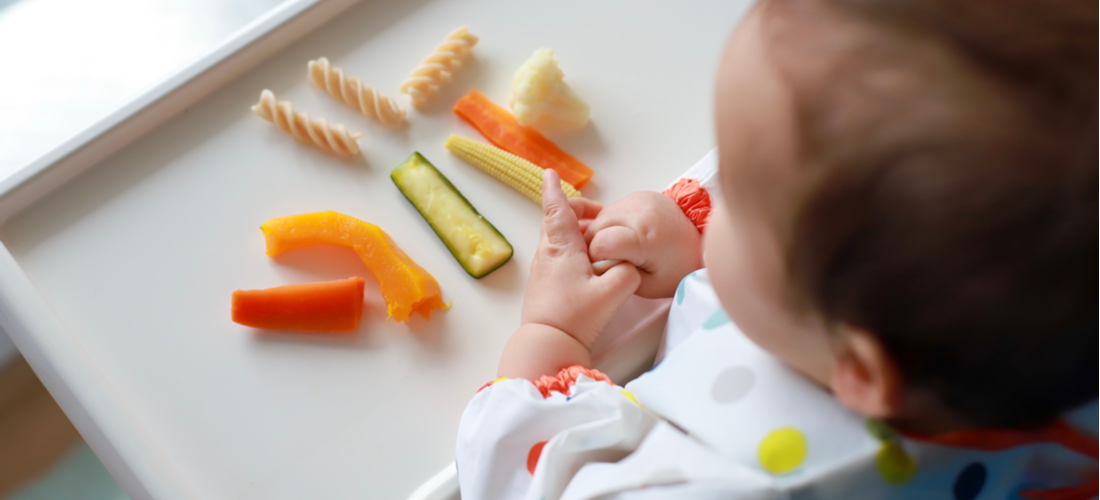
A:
[616,243]
[585,208]
[620,282]
[560,230]
[586,211]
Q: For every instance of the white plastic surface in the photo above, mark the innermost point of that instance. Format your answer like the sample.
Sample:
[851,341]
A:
[82,65]
[118,281]
[442,486]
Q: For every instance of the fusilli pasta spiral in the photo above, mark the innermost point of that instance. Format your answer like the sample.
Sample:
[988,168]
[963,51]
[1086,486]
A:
[439,67]
[354,93]
[315,131]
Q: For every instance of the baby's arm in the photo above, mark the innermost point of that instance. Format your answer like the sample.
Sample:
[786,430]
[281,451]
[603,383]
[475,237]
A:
[566,305]
[649,230]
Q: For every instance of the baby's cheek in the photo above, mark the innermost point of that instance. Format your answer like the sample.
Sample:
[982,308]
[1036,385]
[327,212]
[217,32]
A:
[743,273]
[725,261]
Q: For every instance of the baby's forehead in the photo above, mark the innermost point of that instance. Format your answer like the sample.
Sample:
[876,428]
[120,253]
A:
[756,125]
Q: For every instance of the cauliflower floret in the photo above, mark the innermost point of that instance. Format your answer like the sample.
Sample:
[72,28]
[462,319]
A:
[541,98]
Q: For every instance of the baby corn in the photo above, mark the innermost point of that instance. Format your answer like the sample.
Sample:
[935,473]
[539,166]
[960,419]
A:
[522,175]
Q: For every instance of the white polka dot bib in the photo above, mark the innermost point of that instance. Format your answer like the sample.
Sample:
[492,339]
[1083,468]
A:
[720,418]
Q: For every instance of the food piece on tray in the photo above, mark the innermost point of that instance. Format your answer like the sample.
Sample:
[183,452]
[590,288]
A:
[326,306]
[522,175]
[438,68]
[541,98]
[406,287]
[352,91]
[315,131]
[473,241]
[502,129]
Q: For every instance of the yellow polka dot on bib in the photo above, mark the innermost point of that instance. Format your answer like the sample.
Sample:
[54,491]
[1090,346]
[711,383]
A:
[894,465]
[631,397]
[782,450]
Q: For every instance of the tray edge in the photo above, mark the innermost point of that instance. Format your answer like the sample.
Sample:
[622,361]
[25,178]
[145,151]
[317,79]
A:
[239,53]
[57,358]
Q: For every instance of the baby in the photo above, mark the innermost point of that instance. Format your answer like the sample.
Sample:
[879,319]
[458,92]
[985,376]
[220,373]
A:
[896,300]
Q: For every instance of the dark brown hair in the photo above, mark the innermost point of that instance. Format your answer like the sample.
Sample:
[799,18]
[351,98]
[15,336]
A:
[953,207]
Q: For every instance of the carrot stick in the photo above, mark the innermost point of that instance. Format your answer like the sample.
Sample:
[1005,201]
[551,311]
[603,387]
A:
[502,129]
[326,306]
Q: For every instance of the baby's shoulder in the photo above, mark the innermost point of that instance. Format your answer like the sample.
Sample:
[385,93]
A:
[725,391]
[736,399]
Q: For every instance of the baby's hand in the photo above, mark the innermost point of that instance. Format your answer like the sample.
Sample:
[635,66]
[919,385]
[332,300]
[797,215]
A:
[563,292]
[648,230]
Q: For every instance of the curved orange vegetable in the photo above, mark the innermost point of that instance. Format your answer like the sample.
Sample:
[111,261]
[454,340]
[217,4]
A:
[406,286]
[502,129]
[326,306]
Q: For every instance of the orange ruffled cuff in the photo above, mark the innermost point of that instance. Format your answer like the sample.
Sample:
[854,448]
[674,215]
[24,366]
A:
[693,199]
[562,382]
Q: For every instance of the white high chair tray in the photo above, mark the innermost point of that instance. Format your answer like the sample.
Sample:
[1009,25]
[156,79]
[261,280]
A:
[121,247]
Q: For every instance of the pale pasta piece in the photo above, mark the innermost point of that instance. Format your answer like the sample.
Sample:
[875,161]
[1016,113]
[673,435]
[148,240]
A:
[437,69]
[315,131]
[352,91]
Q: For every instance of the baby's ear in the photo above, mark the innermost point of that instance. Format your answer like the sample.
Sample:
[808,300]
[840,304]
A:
[865,378]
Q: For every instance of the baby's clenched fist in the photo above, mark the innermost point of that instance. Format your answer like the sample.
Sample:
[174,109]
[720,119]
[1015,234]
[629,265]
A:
[648,230]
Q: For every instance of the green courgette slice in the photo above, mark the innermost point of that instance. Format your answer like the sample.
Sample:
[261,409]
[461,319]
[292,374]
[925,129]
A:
[473,241]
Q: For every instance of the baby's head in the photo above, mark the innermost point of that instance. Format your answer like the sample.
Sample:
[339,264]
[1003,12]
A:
[908,203]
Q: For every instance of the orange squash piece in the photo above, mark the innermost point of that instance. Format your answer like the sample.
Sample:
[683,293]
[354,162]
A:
[326,306]
[406,287]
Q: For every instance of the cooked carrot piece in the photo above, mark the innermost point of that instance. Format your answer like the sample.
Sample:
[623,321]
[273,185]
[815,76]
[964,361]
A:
[326,306]
[502,129]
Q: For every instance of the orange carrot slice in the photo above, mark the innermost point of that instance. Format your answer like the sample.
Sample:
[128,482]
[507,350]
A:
[502,129]
[326,306]
[406,286]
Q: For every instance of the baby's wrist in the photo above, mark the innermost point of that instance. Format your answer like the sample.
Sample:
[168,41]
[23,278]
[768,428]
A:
[549,328]
[538,349]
